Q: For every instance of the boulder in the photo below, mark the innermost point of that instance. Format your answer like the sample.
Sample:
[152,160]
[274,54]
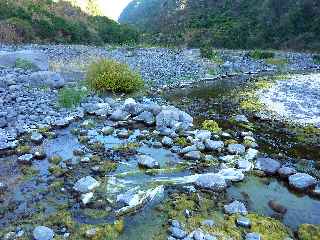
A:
[172,117]
[166,141]
[253,236]
[193,155]
[45,79]
[302,181]
[43,233]
[86,184]
[211,145]
[38,59]
[119,115]
[231,174]
[236,149]
[211,181]
[147,162]
[203,135]
[285,172]
[145,117]
[177,232]
[236,207]
[268,165]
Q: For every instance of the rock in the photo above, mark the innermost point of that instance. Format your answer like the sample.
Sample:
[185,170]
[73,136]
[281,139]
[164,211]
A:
[45,78]
[211,145]
[203,135]
[193,155]
[90,233]
[240,119]
[198,235]
[132,107]
[189,149]
[236,207]
[208,222]
[119,115]
[232,174]
[177,232]
[175,223]
[43,233]
[147,162]
[146,117]
[302,181]
[211,181]
[36,137]
[86,197]
[86,184]
[245,165]
[172,117]
[166,141]
[107,130]
[277,207]
[39,60]
[253,236]
[267,165]
[236,149]
[3,187]
[210,237]
[285,172]
[243,222]
[25,159]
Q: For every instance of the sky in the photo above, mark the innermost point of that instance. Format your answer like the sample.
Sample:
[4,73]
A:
[113,8]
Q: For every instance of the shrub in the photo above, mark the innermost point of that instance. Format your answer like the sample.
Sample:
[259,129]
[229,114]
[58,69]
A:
[71,97]
[210,53]
[25,64]
[258,54]
[22,28]
[108,75]
[8,34]
[211,126]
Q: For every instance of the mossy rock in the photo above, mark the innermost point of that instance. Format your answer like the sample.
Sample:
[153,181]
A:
[309,232]
[23,149]
[211,126]
[56,159]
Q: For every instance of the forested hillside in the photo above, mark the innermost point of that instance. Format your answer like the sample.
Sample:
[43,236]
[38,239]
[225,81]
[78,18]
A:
[59,22]
[282,24]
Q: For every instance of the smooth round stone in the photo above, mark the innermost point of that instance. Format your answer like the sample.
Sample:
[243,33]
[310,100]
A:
[253,236]
[208,222]
[285,172]
[211,181]
[236,207]
[43,233]
[177,232]
[267,165]
[236,149]
[302,181]
[243,222]
[147,162]
[36,137]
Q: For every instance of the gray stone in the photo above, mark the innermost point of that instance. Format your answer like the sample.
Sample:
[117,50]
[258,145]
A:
[244,165]
[285,172]
[302,181]
[232,174]
[175,223]
[107,130]
[86,184]
[147,162]
[193,155]
[209,237]
[145,117]
[177,232]
[36,58]
[166,141]
[241,119]
[253,236]
[171,117]
[46,78]
[198,235]
[36,137]
[25,159]
[243,222]
[211,145]
[119,115]
[211,181]
[236,207]
[268,165]
[236,149]
[43,233]
[203,135]
[208,222]
[3,187]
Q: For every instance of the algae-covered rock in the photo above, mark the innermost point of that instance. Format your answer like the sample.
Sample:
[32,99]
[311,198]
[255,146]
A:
[309,232]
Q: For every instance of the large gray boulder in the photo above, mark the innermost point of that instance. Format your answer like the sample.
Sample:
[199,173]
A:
[211,181]
[45,79]
[39,60]
[268,165]
[302,181]
[147,162]
[86,184]
[172,117]
[43,233]
[236,207]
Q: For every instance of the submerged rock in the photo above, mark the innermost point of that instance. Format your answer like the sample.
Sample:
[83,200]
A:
[268,165]
[86,184]
[211,181]
[302,181]
[43,233]
[147,162]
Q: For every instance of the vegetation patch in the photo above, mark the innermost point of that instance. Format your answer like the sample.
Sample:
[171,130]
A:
[276,61]
[309,232]
[316,58]
[211,126]
[212,54]
[69,97]
[111,76]
[259,54]
[25,64]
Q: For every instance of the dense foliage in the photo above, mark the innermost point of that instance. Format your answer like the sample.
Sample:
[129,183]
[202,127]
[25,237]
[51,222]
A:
[107,75]
[58,21]
[281,24]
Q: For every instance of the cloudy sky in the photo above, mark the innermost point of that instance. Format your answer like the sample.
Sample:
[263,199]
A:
[113,8]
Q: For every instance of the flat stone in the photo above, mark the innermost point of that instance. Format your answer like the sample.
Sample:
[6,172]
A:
[86,184]
[211,181]
[253,236]
[243,222]
[193,155]
[285,172]
[43,233]
[232,174]
[267,165]
[147,162]
[203,135]
[177,232]
[244,165]
[302,181]
[236,207]
[25,159]
[211,145]
[36,137]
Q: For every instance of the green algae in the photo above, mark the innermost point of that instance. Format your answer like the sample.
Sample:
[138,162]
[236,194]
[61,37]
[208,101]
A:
[309,232]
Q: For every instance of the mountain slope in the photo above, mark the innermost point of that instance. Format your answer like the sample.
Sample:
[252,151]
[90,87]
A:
[281,24]
[58,22]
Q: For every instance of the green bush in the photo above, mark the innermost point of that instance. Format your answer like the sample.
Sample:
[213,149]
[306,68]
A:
[71,97]
[316,59]
[258,54]
[22,27]
[25,64]
[108,75]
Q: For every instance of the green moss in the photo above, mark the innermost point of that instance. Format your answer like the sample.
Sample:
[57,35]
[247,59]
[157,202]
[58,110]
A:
[181,141]
[127,147]
[309,232]
[23,149]
[28,172]
[57,171]
[259,54]
[251,104]
[97,147]
[96,213]
[108,75]
[108,166]
[306,134]
[211,126]
[276,61]
[230,141]
[56,159]
[25,64]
